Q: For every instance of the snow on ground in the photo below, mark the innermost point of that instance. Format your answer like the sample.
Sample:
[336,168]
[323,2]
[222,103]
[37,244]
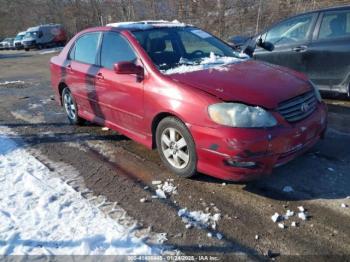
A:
[213,61]
[5,83]
[164,189]
[198,219]
[40,214]
[51,50]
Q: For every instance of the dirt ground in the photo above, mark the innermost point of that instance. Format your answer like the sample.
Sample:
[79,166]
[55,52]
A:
[113,166]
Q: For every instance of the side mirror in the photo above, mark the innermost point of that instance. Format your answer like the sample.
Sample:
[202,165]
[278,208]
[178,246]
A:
[128,68]
[266,45]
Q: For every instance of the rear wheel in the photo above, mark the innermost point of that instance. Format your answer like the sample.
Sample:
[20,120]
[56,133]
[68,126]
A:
[176,147]
[70,107]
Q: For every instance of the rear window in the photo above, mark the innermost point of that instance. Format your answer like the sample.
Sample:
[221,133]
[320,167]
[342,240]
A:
[335,24]
[86,48]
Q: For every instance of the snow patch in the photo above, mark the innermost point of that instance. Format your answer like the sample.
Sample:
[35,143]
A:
[281,225]
[302,216]
[147,24]
[160,193]
[289,214]
[213,61]
[164,189]
[11,82]
[42,215]
[198,219]
[301,208]
[51,50]
[276,217]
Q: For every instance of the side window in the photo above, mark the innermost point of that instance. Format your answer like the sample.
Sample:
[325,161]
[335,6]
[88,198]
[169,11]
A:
[335,24]
[291,31]
[86,48]
[115,49]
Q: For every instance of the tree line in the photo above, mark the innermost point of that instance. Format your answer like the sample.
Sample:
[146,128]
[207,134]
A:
[221,17]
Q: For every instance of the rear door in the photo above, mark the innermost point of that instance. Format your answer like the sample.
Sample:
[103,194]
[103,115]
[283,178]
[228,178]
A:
[81,70]
[328,58]
[291,39]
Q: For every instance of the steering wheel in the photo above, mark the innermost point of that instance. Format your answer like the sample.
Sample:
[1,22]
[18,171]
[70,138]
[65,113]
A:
[198,53]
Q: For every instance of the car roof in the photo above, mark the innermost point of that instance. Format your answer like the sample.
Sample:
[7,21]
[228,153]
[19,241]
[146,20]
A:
[335,8]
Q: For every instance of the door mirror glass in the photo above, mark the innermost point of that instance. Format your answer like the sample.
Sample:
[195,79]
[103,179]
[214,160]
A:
[265,45]
[127,68]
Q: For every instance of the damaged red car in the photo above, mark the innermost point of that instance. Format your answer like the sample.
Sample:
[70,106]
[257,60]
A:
[177,88]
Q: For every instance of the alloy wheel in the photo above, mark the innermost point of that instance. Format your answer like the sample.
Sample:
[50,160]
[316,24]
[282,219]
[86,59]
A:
[69,105]
[174,148]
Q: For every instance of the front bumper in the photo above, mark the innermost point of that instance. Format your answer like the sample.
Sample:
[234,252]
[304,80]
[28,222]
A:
[29,43]
[241,154]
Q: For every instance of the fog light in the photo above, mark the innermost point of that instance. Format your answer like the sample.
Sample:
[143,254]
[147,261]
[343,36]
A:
[233,163]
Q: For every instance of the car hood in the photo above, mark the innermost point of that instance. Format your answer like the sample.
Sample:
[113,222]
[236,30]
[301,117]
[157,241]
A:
[250,82]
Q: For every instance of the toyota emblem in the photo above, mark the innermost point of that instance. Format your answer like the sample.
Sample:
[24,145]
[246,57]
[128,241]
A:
[304,107]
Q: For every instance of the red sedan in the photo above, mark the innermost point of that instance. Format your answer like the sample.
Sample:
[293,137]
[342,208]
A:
[183,91]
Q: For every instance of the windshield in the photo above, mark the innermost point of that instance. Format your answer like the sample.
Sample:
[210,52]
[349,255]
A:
[19,37]
[173,47]
[33,34]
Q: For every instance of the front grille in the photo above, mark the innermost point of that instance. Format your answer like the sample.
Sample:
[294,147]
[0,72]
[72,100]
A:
[299,107]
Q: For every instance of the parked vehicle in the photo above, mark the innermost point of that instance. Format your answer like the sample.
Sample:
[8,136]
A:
[18,40]
[43,36]
[11,44]
[7,43]
[183,91]
[316,43]
[2,43]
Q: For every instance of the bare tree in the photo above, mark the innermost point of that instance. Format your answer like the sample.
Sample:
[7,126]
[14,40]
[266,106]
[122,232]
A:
[221,17]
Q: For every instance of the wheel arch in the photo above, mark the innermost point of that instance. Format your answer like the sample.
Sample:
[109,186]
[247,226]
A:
[156,120]
[61,86]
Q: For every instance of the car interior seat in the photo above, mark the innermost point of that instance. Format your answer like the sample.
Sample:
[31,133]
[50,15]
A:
[157,49]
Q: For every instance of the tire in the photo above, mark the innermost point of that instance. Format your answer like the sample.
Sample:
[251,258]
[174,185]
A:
[178,155]
[70,107]
[26,49]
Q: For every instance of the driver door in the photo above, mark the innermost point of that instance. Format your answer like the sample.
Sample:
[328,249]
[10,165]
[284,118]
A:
[291,39]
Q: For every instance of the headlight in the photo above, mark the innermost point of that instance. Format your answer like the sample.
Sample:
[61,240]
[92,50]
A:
[240,115]
[317,92]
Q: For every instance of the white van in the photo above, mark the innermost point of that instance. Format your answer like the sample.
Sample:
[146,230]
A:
[43,36]
[18,40]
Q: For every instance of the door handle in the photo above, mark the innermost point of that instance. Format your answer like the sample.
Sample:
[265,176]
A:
[100,76]
[301,48]
[69,67]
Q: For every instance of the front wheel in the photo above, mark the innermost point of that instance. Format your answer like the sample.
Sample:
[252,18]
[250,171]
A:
[70,107]
[176,147]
